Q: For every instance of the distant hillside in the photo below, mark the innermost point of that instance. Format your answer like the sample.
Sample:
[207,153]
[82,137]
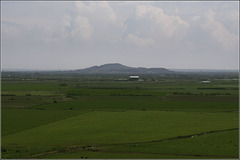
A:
[116,68]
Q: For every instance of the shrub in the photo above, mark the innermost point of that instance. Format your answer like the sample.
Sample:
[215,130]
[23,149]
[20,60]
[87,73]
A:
[63,84]
[3,150]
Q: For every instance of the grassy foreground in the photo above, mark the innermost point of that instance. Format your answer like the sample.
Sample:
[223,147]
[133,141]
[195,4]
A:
[104,118]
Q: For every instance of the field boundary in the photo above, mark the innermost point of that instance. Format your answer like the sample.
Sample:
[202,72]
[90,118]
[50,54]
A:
[173,138]
[76,148]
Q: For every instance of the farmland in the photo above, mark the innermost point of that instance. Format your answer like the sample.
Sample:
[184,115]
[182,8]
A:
[102,116]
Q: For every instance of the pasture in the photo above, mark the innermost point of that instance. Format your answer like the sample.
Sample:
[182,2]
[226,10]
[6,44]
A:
[163,117]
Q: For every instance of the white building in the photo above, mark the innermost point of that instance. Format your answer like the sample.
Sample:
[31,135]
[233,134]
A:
[134,78]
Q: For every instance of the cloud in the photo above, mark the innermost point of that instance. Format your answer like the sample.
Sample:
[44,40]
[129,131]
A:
[99,13]
[99,20]
[11,29]
[138,41]
[78,27]
[81,27]
[85,22]
[218,32]
[165,25]
[155,32]
[149,26]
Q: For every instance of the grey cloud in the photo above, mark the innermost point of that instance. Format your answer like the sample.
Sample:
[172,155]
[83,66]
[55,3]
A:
[151,34]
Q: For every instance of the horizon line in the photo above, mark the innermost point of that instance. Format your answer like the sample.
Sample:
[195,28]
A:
[171,69]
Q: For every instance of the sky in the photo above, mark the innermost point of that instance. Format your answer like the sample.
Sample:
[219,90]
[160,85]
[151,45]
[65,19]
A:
[74,35]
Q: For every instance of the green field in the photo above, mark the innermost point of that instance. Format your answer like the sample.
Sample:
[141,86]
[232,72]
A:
[172,117]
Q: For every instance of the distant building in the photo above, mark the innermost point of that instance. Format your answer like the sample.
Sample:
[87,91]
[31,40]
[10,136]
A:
[134,78]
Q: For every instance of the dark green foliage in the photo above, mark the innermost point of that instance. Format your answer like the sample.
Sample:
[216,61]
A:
[63,84]
[3,150]
[8,95]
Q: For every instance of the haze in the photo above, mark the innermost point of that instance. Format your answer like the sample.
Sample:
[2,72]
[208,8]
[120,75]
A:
[75,35]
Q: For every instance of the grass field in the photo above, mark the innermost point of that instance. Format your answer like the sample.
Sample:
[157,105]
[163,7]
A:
[173,118]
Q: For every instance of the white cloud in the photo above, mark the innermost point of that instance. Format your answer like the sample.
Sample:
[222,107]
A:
[106,27]
[150,26]
[82,27]
[165,25]
[96,11]
[218,32]
[78,27]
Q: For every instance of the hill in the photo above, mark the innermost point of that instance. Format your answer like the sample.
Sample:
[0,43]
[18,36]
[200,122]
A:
[116,68]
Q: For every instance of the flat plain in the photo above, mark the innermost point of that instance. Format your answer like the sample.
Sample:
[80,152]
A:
[171,116]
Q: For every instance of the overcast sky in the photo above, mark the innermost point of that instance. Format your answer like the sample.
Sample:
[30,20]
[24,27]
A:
[73,35]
